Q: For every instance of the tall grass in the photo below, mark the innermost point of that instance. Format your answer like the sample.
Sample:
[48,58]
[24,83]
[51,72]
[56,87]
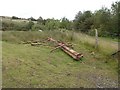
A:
[104,46]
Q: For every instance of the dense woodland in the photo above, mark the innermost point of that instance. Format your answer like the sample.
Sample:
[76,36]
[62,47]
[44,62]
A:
[105,20]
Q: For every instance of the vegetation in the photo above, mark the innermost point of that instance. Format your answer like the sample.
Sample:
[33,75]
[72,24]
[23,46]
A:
[105,20]
[66,36]
[28,66]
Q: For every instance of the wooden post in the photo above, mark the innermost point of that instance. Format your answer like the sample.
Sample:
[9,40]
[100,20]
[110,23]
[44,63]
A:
[96,38]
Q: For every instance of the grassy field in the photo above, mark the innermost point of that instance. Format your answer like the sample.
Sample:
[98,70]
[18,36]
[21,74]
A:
[28,66]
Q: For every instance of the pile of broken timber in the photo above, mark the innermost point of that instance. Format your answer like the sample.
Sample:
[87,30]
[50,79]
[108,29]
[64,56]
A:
[65,48]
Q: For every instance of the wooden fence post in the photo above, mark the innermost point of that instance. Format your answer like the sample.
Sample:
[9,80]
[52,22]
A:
[96,38]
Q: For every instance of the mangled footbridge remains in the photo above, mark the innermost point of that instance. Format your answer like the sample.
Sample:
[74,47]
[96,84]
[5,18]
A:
[65,47]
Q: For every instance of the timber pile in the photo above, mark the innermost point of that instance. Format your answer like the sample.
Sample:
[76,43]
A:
[66,47]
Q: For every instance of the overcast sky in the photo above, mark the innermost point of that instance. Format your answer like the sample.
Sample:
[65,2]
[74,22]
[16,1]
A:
[50,8]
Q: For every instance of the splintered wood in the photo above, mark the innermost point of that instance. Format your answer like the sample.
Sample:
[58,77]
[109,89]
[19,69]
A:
[65,48]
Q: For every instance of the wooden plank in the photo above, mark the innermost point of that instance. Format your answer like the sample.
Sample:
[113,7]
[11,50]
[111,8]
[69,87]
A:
[66,49]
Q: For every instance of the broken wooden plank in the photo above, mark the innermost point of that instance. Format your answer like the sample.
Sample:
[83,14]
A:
[65,48]
[55,48]
[71,52]
[36,44]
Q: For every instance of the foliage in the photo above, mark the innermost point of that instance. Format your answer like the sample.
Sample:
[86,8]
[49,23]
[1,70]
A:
[40,20]
[105,20]
[26,66]
[14,17]
[32,19]
[29,25]
[65,24]
[83,21]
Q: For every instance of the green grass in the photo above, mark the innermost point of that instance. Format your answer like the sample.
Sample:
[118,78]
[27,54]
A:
[106,46]
[27,66]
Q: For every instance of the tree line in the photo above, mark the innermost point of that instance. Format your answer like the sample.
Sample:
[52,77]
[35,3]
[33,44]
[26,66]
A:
[105,20]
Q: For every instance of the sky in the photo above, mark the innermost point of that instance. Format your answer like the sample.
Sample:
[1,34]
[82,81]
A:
[50,8]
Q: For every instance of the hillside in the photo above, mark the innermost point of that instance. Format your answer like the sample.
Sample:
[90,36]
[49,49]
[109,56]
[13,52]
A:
[30,66]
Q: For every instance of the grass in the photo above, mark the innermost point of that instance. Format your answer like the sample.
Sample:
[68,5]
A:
[106,46]
[27,66]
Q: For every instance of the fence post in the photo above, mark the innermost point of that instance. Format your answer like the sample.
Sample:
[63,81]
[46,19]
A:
[96,38]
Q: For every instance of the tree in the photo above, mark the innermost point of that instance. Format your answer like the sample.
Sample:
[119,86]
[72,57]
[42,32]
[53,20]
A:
[29,25]
[65,23]
[14,17]
[83,21]
[77,20]
[52,24]
[40,20]
[31,19]
[102,21]
[115,11]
